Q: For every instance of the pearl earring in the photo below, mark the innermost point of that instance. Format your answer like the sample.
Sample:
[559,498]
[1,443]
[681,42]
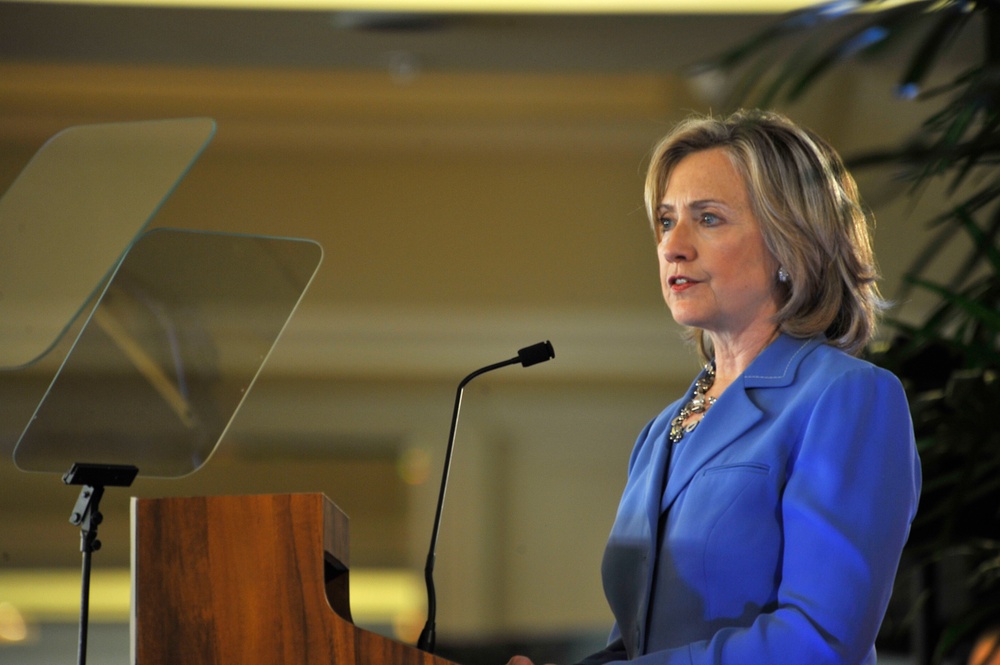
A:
[783,275]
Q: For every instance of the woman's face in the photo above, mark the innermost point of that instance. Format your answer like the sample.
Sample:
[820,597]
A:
[715,270]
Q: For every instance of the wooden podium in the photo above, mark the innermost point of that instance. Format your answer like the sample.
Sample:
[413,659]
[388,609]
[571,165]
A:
[248,580]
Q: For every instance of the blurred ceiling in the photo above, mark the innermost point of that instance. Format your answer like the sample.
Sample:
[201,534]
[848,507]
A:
[476,6]
[379,41]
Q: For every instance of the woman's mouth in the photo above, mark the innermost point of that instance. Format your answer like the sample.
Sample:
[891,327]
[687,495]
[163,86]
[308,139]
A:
[679,282]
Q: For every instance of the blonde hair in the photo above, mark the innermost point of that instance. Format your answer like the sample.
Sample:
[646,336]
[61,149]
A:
[810,215]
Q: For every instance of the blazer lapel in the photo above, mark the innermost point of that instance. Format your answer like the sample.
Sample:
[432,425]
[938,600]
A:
[712,436]
[734,413]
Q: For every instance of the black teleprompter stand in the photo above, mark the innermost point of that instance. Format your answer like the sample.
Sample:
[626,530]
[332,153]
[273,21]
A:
[87,516]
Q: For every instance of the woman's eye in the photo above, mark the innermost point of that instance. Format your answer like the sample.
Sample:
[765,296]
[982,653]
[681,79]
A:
[709,219]
[666,224]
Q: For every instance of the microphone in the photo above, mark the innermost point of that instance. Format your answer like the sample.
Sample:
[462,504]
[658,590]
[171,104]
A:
[528,356]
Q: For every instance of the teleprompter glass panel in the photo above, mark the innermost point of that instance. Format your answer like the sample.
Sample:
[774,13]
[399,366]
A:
[70,215]
[169,353]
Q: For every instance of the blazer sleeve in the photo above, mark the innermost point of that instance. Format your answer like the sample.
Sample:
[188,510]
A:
[615,651]
[853,481]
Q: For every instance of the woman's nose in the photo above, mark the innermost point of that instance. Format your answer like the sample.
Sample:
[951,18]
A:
[675,244]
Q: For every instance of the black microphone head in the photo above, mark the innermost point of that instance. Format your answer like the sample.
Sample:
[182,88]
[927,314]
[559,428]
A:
[536,353]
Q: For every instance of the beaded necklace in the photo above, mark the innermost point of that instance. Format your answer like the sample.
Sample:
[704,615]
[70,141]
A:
[699,404]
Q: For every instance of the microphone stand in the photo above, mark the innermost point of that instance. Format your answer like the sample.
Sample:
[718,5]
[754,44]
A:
[536,353]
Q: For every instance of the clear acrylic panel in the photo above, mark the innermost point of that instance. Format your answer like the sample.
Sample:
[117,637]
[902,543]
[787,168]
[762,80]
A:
[70,215]
[169,353]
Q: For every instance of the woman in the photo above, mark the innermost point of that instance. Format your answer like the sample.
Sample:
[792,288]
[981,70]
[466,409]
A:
[765,511]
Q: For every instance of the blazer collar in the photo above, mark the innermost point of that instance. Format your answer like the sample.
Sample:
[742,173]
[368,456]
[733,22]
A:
[734,413]
[775,367]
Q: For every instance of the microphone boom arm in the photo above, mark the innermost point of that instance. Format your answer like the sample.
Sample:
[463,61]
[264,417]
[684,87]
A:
[527,356]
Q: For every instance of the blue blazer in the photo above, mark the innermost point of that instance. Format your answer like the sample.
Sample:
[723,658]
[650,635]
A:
[776,534]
